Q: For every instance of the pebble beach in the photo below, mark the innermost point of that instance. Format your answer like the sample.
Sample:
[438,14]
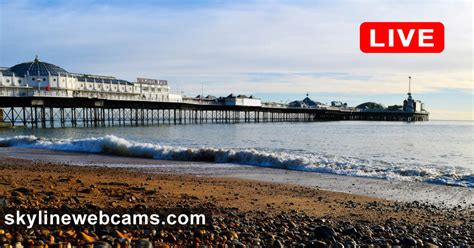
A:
[244,213]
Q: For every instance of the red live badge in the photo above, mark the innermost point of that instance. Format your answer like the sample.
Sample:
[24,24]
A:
[402,37]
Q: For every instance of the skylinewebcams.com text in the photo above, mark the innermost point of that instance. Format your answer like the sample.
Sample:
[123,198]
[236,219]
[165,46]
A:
[42,217]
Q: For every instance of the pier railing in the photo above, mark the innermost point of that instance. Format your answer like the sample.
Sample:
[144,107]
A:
[44,111]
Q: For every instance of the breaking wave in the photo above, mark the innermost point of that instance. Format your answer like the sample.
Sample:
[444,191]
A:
[113,145]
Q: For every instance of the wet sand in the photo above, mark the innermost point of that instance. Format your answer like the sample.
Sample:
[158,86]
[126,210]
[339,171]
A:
[440,195]
[247,212]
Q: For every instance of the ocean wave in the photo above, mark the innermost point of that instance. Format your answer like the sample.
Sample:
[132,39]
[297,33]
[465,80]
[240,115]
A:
[114,145]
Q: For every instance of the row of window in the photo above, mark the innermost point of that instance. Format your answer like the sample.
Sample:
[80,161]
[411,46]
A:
[54,80]
[81,86]
[34,79]
[99,86]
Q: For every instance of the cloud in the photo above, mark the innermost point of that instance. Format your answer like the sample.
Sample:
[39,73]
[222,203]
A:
[449,114]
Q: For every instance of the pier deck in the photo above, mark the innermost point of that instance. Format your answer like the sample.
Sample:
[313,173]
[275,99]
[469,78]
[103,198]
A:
[86,112]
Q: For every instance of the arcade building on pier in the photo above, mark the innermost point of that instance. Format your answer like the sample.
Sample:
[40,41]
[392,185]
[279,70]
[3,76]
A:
[38,78]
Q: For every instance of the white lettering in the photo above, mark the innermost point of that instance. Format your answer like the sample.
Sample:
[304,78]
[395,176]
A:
[372,40]
[114,220]
[31,220]
[66,219]
[79,219]
[422,37]
[154,219]
[9,219]
[92,219]
[171,220]
[390,38]
[405,40]
[19,218]
[183,219]
[103,218]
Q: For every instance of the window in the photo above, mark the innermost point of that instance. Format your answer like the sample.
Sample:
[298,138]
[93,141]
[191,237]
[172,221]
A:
[44,79]
[33,79]
[19,81]
[54,79]
[8,80]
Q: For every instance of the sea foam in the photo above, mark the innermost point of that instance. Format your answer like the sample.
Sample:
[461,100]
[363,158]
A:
[114,145]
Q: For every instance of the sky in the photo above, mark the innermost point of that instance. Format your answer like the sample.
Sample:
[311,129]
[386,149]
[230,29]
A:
[276,50]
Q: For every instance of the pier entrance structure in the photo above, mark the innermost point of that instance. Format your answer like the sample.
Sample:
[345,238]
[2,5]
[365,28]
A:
[40,94]
[38,78]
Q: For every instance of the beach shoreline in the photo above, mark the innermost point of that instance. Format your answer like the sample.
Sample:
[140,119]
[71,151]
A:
[395,190]
[305,215]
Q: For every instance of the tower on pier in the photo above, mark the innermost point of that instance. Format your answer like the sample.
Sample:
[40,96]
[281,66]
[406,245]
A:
[411,105]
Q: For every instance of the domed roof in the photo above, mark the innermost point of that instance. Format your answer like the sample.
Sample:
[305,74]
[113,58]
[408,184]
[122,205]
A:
[370,106]
[37,68]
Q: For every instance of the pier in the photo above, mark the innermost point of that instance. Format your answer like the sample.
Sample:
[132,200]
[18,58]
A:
[40,94]
[50,112]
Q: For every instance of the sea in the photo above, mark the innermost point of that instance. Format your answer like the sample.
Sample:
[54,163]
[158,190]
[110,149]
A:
[434,152]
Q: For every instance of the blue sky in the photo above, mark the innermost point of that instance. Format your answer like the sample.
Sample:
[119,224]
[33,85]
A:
[278,50]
